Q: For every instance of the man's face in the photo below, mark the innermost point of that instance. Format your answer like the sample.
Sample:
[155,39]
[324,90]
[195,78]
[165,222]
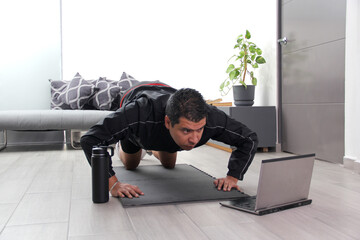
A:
[186,134]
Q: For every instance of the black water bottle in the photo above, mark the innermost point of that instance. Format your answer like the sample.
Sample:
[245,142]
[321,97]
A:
[100,174]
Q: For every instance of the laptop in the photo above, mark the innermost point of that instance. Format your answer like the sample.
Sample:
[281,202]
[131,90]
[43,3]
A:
[283,183]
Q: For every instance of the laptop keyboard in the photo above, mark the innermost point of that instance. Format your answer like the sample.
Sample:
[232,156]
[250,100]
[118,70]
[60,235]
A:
[245,202]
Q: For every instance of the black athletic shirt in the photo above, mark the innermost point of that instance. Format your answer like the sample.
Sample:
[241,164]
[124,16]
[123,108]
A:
[140,119]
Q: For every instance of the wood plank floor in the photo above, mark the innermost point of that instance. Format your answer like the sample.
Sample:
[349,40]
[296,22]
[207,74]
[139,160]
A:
[46,194]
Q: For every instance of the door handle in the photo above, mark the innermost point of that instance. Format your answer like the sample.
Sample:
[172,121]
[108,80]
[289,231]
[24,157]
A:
[283,41]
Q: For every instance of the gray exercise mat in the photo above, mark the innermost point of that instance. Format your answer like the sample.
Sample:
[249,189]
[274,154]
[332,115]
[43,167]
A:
[184,183]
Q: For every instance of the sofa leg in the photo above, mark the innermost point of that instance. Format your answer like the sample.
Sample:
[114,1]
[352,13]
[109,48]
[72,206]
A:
[3,146]
[75,136]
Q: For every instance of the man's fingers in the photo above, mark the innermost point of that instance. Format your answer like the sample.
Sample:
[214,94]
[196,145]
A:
[215,182]
[133,193]
[128,194]
[228,186]
[225,185]
[220,183]
[124,193]
[137,190]
[130,191]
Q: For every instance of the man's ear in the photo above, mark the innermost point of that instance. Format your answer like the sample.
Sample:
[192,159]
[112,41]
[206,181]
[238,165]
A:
[167,122]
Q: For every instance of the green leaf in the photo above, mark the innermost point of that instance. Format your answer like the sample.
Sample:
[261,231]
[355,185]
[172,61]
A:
[230,68]
[248,61]
[253,57]
[251,74]
[233,74]
[254,81]
[231,57]
[239,41]
[241,54]
[222,86]
[252,49]
[236,46]
[260,60]
[258,51]
[247,35]
[255,65]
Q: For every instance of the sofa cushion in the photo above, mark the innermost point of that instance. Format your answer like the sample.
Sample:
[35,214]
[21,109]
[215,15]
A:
[107,92]
[100,94]
[126,81]
[57,87]
[77,93]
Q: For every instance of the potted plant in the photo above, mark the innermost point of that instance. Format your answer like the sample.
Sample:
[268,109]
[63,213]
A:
[247,59]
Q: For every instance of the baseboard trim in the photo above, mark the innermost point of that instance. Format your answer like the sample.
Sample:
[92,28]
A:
[352,163]
[227,149]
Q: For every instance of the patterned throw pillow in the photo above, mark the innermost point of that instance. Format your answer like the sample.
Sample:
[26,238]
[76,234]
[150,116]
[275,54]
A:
[107,93]
[126,82]
[77,92]
[57,87]
[101,94]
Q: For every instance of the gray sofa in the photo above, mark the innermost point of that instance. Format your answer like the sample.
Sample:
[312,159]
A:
[40,120]
[76,105]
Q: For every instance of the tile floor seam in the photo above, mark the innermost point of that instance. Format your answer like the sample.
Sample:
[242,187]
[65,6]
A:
[132,224]
[18,203]
[70,201]
[193,222]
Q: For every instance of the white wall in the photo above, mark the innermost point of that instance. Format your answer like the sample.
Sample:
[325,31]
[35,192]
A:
[30,52]
[352,87]
[184,43]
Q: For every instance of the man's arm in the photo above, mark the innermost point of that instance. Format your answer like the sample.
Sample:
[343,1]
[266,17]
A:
[116,188]
[87,142]
[242,156]
[112,129]
[236,134]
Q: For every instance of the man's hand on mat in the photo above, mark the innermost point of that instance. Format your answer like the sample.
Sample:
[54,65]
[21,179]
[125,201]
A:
[226,183]
[126,190]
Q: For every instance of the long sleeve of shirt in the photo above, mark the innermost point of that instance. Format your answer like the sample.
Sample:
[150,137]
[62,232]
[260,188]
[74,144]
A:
[112,129]
[229,131]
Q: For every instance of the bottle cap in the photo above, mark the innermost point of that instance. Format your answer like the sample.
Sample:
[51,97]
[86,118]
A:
[98,150]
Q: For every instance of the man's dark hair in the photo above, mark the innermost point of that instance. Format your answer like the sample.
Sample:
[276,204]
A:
[187,103]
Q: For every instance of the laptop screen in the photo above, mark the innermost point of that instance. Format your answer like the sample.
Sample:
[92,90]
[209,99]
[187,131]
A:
[284,180]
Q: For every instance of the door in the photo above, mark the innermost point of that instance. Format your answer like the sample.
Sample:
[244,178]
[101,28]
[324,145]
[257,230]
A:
[313,77]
